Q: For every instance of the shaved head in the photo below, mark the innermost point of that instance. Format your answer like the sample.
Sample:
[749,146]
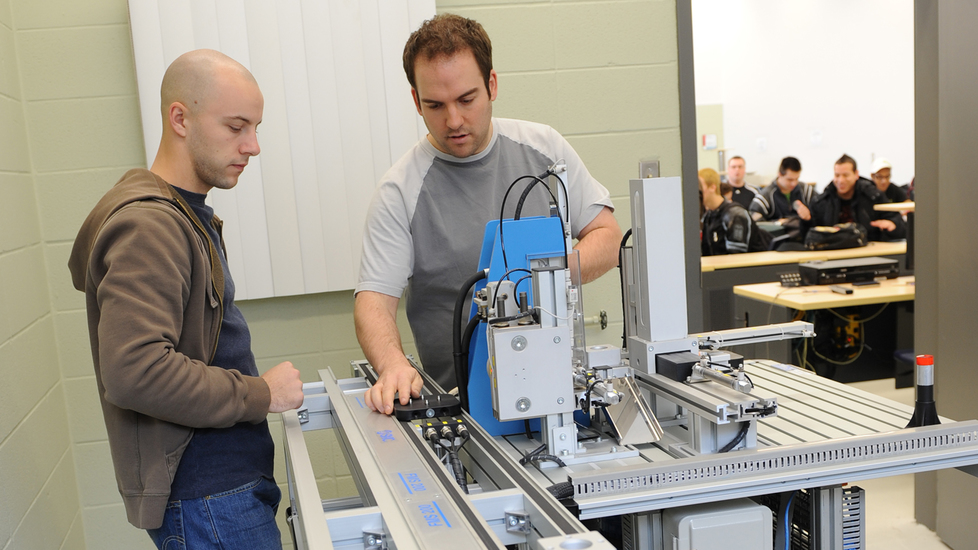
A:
[211,107]
[191,77]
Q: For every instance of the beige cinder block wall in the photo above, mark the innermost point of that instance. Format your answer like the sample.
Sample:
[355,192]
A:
[603,73]
[40,505]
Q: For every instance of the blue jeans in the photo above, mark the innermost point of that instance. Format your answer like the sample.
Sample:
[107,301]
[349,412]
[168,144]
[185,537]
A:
[239,518]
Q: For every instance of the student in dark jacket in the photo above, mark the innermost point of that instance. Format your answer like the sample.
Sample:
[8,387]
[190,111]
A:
[784,198]
[850,198]
[742,192]
[727,226]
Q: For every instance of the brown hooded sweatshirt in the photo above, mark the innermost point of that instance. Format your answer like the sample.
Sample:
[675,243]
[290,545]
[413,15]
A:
[154,288]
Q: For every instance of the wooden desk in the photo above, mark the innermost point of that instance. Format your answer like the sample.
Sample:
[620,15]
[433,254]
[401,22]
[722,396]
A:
[719,274]
[807,298]
[766,303]
[754,259]
[895,207]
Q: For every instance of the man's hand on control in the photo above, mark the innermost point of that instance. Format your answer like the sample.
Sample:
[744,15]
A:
[402,379]
[285,386]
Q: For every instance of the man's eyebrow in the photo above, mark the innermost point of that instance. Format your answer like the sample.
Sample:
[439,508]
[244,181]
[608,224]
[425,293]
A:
[239,117]
[467,93]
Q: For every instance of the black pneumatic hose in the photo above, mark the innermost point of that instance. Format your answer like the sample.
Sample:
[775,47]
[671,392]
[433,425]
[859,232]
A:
[562,490]
[460,359]
[621,277]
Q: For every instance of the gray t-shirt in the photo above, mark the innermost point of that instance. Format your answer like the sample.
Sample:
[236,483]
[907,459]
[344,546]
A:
[427,219]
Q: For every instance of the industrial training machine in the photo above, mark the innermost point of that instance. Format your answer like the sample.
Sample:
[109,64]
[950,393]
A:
[670,442]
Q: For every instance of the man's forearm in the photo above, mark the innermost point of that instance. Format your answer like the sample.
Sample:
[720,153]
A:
[599,252]
[375,318]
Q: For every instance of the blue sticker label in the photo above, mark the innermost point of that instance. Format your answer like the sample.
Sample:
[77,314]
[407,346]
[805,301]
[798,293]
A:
[386,435]
[433,515]
[412,482]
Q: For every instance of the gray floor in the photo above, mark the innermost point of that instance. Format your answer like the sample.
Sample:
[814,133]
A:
[890,523]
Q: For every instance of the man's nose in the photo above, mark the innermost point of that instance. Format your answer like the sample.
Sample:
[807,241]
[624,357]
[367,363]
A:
[454,120]
[250,146]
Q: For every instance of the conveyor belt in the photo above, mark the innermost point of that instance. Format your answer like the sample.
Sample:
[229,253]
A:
[825,433]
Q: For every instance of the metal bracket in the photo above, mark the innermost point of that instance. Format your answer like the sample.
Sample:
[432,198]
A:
[374,540]
[303,415]
[518,522]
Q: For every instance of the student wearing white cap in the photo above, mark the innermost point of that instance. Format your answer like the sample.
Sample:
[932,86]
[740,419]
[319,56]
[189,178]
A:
[881,172]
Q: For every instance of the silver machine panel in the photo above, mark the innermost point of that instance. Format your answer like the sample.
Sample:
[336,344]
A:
[676,421]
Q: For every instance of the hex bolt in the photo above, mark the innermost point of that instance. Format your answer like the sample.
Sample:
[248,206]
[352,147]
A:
[563,437]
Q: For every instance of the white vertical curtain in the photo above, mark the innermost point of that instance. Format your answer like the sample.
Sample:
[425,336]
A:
[338,113]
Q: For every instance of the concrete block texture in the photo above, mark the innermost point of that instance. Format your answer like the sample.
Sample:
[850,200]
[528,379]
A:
[50,517]
[84,410]
[74,349]
[28,458]
[96,476]
[9,78]
[23,294]
[75,134]
[14,155]
[51,14]
[29,373]
[528,96]
[613,158]
[614,33]
[75,540]
[18,212]
[523,35]
[76,62]
[64,297]
[6,18]
[64,199]
[106,527]
[618,99]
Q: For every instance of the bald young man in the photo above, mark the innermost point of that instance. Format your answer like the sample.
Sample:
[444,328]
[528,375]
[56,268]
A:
[184,406]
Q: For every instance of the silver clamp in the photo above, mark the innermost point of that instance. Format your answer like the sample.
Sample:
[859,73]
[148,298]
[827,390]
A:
[374,540]
[518,522]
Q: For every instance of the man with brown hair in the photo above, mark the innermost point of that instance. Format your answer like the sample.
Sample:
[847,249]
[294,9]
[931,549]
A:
[427,219]
[727,226]
[850,198]
[185,409]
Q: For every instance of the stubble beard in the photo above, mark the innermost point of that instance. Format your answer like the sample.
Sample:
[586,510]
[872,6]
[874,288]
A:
[207,170]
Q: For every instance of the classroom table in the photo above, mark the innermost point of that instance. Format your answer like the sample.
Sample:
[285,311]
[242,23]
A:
[766,303]
[719,274]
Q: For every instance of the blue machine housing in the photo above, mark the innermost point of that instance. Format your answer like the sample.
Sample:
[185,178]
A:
[525,239]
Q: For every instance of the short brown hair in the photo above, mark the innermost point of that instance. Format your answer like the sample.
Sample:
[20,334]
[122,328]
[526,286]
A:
[846,158]
[446,35]
[710,177]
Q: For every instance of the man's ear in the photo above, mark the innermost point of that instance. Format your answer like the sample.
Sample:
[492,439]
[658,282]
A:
[493,85]
[417,101]
[177,118]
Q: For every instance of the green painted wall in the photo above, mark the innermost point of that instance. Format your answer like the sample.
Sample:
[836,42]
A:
[604,73]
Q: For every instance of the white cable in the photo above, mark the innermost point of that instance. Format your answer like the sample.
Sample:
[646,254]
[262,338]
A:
[555,316]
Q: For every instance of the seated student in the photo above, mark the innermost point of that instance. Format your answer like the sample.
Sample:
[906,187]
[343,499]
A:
[727,227]
[742,192]
[784,198]
[850,198]
[881,177]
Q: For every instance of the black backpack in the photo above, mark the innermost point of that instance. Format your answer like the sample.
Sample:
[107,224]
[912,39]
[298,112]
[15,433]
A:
[835,237]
